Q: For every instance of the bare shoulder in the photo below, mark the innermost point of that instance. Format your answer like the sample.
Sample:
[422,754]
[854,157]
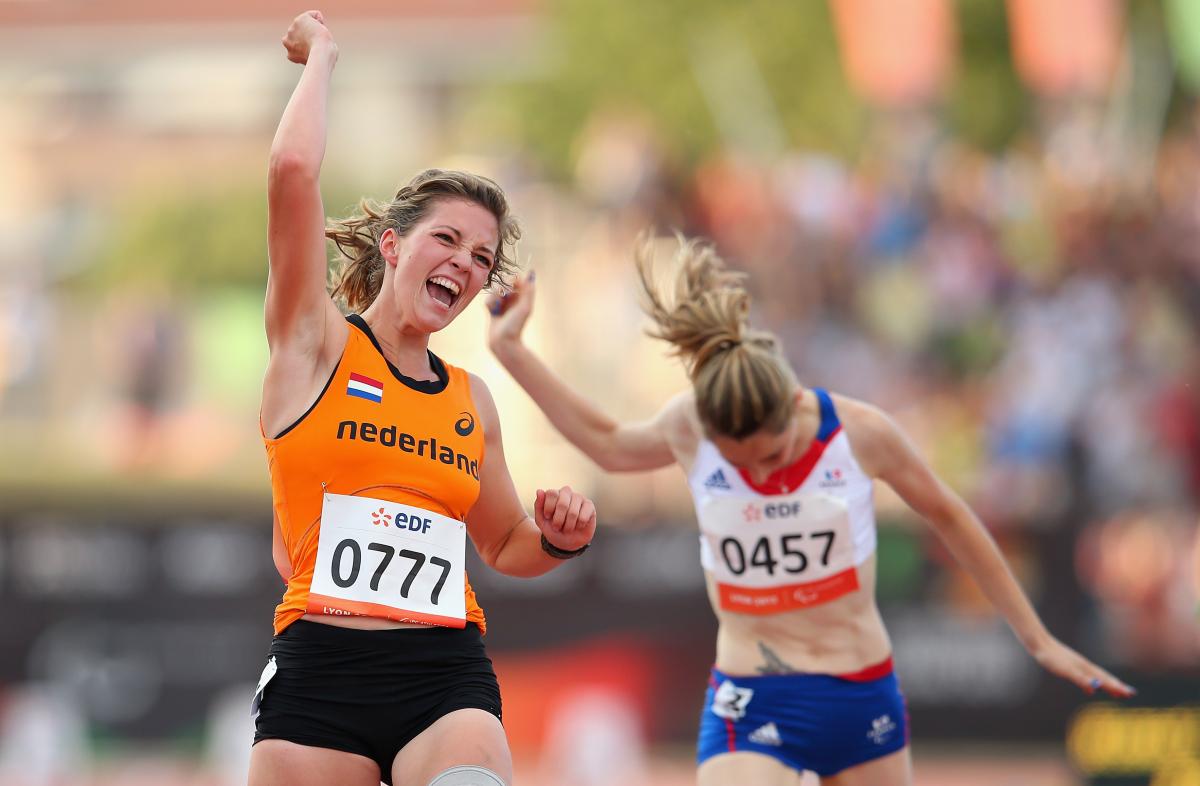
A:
[678,418]
[679,424]
[860,416]
[482,396]
[295,376]
[873,434]
[322,346]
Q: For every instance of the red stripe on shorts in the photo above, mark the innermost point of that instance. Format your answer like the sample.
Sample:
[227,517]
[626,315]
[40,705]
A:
[870,673]
[712,681]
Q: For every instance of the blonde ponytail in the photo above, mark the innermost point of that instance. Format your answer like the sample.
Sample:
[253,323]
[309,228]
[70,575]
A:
[742,382]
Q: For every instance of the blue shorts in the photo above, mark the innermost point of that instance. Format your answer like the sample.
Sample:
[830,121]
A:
[816,722]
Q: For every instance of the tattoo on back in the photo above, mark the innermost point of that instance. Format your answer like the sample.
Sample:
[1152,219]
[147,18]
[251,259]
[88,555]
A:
[774,663]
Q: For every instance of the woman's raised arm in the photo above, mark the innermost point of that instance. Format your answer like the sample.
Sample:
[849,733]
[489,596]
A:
[298,308]
[616,447]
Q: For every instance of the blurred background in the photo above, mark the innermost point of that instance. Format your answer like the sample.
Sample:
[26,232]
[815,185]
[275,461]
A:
[982,216]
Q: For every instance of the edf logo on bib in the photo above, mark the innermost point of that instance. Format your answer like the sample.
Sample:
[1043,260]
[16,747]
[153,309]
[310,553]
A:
[773,510]
[410,521]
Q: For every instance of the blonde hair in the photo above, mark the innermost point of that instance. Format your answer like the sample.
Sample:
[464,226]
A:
[359,276]
[742,382]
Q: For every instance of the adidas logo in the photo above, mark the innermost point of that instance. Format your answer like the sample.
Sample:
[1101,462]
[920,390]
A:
[717,481]
[767,734]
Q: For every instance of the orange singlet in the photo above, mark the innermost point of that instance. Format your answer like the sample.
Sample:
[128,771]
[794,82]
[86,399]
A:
[389,467]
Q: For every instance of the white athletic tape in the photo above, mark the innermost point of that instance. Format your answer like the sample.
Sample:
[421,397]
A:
[467,776]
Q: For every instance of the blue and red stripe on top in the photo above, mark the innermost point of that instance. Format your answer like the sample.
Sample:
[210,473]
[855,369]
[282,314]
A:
[788,479]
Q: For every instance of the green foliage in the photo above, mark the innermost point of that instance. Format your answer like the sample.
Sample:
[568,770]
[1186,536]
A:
[630,53]
[186,240]
[901,563]
[228,347]
[988,105]
[969,350]
[638,55]
[191,241]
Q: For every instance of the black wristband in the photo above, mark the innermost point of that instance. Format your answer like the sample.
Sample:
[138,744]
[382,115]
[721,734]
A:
[557,553]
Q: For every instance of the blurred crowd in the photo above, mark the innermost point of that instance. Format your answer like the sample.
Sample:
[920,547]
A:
[1032,318]
[1028,314]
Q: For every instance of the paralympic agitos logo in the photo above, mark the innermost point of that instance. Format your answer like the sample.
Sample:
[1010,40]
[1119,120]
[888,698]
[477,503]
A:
[392,437]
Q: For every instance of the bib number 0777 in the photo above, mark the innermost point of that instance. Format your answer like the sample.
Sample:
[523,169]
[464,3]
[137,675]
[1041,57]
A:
[386,559]
[791,558]
[418,560]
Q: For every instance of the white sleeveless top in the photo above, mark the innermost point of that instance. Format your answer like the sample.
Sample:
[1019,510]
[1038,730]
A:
[796,540]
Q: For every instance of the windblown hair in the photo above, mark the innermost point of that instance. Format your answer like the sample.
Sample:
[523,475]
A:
[741,380]
[359,277]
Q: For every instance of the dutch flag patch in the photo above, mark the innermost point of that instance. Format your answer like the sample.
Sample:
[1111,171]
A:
[365,387]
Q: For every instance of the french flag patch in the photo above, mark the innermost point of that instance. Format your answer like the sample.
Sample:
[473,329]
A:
[365,387]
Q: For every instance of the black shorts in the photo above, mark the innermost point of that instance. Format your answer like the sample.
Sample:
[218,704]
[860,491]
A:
[371,691]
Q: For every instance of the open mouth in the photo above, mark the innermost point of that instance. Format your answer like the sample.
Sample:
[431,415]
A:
[443,290]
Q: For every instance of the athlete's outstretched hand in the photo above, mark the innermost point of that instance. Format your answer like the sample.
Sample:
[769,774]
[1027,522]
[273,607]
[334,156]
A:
[1058,658]
[565,517]
[511,311]
[304,31]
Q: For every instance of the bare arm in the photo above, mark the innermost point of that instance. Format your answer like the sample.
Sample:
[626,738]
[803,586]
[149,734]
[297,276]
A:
[298,309]
[279,552]
[616,447]
[888,454]
[305,330]
[503,533]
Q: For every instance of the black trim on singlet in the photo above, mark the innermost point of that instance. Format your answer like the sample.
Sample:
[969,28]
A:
[429,386]
[313,406]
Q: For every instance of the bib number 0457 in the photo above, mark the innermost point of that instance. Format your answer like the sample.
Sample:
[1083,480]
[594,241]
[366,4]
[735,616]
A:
[791,559]
[778,554]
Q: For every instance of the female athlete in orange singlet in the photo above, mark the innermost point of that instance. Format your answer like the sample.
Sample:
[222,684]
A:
[384,459]
[782,477]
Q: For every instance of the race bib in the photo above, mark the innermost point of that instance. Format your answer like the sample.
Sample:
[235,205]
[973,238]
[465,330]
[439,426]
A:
[779,553]
[730,701]
[384,559]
